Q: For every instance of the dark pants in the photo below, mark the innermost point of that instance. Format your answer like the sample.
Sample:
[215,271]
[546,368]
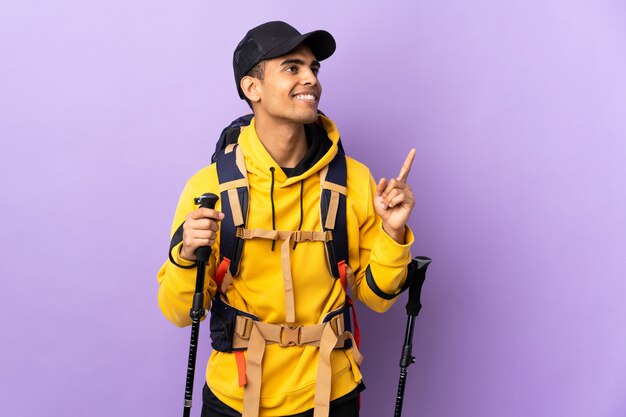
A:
[346,406]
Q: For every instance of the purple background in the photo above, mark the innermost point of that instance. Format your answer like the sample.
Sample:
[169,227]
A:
[518,112]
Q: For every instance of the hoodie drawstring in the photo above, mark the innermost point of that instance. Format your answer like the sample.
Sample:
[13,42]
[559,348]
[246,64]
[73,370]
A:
[301,210]
[272,169]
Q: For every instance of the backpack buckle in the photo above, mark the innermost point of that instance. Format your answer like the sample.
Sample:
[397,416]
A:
[243,326]
[338,325]
[289,335]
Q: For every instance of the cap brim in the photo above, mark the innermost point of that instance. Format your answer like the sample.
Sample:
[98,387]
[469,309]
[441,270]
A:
[322,45]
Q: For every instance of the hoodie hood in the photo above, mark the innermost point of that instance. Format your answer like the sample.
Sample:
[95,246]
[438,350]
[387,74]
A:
[259,162]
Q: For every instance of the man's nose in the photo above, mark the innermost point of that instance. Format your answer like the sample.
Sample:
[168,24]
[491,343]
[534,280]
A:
[309,77]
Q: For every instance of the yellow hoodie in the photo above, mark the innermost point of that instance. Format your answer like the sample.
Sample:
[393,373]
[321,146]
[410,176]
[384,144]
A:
[289,373]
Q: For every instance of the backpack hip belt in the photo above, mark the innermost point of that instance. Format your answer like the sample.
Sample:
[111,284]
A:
[248,333]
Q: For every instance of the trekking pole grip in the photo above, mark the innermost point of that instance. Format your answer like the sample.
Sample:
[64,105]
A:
[206,200]
[417,275]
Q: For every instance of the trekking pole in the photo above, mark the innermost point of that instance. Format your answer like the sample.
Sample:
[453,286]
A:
[416,277]
[203,253]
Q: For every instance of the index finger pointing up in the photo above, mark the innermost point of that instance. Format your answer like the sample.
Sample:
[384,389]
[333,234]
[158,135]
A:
[406,167]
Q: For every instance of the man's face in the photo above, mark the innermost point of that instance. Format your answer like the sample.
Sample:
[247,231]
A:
[290,89]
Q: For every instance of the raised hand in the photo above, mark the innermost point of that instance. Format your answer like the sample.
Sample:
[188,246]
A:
[394,201]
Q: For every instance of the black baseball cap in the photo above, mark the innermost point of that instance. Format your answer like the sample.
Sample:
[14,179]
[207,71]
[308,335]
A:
[273,39]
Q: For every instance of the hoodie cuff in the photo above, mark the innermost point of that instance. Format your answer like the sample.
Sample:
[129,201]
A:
[388,243]
[178,260]
[389,260]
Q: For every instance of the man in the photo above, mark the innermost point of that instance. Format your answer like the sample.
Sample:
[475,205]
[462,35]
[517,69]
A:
[288,303]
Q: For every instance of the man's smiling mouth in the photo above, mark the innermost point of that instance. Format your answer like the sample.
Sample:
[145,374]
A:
[305,97]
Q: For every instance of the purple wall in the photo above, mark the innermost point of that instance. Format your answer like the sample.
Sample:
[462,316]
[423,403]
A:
[518,112]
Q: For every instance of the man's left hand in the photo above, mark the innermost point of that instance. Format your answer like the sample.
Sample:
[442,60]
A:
[394,201]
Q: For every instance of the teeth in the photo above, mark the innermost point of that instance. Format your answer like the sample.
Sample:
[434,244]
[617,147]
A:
[305,97]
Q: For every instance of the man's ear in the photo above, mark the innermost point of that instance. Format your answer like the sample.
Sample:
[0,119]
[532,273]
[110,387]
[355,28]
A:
[251,87]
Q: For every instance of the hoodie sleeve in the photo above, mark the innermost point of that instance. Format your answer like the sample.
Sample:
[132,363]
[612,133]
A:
[177,283]
[382,261]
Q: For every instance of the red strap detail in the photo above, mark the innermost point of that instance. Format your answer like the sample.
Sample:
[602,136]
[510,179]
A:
[341,266]
[357,332]
[241,367]
[221,271]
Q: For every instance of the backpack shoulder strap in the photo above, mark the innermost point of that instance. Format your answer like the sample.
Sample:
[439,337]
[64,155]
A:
[233,180]
[333,181]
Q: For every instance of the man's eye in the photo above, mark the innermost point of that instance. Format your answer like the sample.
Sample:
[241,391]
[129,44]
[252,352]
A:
[291,68]
[315,71]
